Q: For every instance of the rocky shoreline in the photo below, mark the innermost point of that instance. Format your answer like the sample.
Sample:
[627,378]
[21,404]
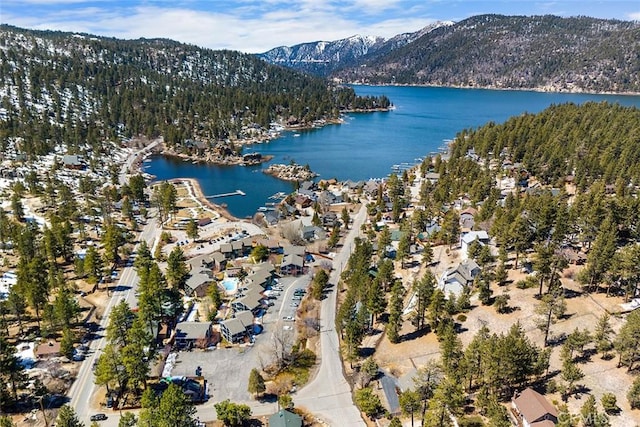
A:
[290,172]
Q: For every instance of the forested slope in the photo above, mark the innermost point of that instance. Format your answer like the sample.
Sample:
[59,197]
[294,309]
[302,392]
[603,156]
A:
[591,141]
[545,52]
[76,88]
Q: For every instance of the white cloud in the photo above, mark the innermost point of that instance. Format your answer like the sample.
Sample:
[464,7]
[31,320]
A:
[250,25]
[257,31]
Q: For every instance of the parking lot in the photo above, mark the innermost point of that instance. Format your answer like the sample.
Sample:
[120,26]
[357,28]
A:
[227,369]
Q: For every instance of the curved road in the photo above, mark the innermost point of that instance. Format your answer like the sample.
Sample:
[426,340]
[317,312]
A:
[328,396]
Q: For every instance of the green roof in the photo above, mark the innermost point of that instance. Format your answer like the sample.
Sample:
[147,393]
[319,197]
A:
[284,418]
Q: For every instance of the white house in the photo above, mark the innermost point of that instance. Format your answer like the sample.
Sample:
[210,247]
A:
[456,280]
[468,238]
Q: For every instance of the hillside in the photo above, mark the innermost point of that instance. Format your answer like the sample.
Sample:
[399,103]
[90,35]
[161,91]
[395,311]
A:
[79,89]
[540,52]
[324,57]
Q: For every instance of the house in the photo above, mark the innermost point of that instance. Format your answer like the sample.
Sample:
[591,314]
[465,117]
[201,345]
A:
[197,283]
[227,250]
[456,280]
[468,238]
[262,277]
[432,177]
[270,244]
[237,248]
[330,219]
[311,233]
[466,218]
[237,328]
[302,202]
[284,418]
[194,334]
[372,187]
[531,409]
[73,161]
[217,261]
[252,157]
[48,350]
[250,301]
[292,265]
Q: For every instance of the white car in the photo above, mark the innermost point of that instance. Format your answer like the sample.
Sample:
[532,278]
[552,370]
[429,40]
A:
[288,319]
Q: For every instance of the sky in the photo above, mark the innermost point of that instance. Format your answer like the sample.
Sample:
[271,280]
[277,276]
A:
[255,26]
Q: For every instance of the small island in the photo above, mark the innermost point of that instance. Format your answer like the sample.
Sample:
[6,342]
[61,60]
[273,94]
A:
[291,172]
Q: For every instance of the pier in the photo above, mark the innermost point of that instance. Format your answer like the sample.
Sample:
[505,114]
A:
[233,193]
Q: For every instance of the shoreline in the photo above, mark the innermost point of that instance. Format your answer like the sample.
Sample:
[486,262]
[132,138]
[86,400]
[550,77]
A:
[540,89]
[199,196]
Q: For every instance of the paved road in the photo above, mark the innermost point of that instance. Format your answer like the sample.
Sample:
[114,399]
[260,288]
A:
[127,165]
[328,396]
[83,388]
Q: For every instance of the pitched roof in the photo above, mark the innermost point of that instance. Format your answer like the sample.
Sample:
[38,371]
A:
[233,326]
[533,406]
[284,418]
[251,301]
[192,330]
[245,317]
[464,270]
[293,249]
[51,348]
[296,260]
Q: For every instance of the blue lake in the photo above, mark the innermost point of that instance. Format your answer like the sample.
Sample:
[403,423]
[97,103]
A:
[366,145]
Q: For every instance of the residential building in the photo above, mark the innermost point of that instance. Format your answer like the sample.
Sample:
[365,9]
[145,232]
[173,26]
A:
[194,334]
[456,280]
[468,238]
[292,265]
[531,409]
[48,350]
[237,328]
[250,301]
[284,418]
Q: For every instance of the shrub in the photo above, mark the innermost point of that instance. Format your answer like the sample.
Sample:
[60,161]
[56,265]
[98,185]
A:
[609,403]
[472,421]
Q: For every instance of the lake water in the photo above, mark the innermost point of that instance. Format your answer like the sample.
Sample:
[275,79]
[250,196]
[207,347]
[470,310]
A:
[367,145]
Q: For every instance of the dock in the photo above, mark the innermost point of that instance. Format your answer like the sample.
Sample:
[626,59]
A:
[233,193]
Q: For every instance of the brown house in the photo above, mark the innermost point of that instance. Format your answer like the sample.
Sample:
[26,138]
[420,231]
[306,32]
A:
[531,409]
[47,350]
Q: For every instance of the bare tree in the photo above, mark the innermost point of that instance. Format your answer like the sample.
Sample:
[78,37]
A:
[281,348]
[292,233]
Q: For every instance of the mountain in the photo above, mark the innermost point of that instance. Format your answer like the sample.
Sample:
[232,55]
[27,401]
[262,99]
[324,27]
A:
[324,57]
[58,87]
[539,52]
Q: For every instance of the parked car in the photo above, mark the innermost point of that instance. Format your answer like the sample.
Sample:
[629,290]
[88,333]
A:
[98,417]
[288,318]
[295,304]
[296,297]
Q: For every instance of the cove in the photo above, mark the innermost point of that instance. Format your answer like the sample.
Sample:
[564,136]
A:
[367,145]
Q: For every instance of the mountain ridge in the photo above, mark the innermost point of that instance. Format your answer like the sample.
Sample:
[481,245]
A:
[325,57]
[546,52]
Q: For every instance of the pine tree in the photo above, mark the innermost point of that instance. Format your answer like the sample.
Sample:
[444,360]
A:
[67,417]
[395,313]
[256,383]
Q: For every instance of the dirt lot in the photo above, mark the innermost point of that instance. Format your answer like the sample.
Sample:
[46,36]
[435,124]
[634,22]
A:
[583,311]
